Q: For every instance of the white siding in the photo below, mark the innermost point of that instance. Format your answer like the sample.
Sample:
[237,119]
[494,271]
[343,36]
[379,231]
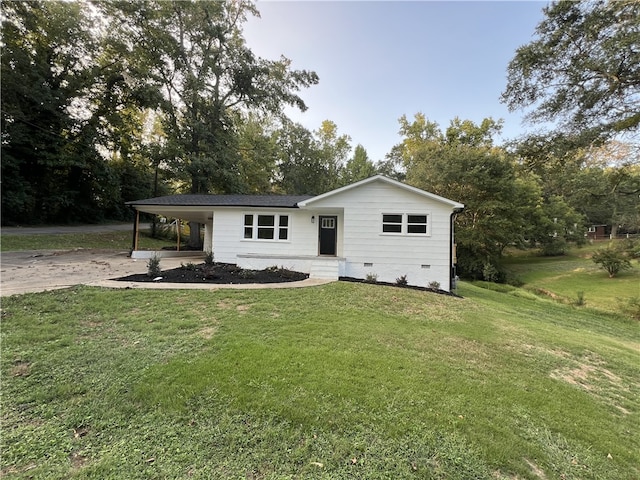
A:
[362,247]
[391,255]
[297,252]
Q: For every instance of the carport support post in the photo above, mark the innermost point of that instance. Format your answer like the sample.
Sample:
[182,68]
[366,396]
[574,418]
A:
[178,233]
[136,223]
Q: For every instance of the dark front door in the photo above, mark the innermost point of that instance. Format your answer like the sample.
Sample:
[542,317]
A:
[328,233]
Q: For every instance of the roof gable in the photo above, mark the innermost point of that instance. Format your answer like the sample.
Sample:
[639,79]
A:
[389,181]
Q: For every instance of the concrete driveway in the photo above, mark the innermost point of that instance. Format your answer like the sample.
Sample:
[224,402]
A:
[38,271]
[42,270]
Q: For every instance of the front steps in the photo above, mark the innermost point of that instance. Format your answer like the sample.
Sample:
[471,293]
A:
[328,268]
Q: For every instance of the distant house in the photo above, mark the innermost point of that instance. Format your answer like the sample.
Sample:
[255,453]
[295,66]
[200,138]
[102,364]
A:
[599,232]
[377,227]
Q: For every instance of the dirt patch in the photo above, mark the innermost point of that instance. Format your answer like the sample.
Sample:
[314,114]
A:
[218,273]
[78,462]
[208,332]
[535,469]
[589,374]
[21,368]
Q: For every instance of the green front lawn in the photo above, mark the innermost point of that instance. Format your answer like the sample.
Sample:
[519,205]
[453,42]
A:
[340,381]
[565,277]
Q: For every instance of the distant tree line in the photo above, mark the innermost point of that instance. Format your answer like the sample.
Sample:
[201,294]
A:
[111,101]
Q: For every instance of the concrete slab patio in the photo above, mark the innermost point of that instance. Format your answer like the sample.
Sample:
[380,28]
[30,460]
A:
[38,271]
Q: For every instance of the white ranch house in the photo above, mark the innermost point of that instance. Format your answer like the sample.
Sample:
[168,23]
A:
[375,227]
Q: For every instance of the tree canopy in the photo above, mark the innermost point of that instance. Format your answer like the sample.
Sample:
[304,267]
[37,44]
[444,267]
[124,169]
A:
[504,204]
[582,70]
[194,54]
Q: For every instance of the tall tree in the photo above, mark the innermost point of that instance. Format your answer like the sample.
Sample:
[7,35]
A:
[258,153]
[195,53]
[50,167]
[334,150]
[311,162]
[600,182]
[358,167]
[393,164]
[608,186]
[300,166]
[582,70]
[462,163]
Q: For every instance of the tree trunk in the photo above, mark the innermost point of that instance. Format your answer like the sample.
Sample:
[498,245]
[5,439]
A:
[195,242]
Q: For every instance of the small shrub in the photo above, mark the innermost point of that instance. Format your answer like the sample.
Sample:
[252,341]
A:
[631,248]
[247,274]
[209,272]
[514,281]
[632,307]
[371,278]
[495,287]
[188,266]
[166,231]
[612,260]
[402,281]
[490,273]
[208,258]
[555,247]
[153,266]
[434,285]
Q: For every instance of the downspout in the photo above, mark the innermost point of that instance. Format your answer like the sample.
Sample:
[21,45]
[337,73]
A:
[452,268]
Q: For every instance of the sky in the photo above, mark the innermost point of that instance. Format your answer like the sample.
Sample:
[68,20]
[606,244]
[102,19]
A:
[379,60]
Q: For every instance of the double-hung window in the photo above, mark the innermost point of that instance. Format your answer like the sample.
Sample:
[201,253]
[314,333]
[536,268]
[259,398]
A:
[392,223]
[417,224]
[266,227]
[405,223]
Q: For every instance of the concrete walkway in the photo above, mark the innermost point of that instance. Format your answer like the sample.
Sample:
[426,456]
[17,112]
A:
[43,270]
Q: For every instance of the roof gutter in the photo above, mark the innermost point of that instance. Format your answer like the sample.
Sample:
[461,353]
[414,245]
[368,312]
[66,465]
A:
[452,267]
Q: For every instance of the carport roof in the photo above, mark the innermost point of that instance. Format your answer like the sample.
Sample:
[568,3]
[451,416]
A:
[279,201]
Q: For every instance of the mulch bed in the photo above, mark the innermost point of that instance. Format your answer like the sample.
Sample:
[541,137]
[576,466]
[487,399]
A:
[400,285]
[227,273]
[221,273]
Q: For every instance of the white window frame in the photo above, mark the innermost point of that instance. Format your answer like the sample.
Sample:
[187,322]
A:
[404,224]
[394,224]
[277,227]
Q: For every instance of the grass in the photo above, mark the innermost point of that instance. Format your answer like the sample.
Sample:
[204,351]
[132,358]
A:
[116,240]
[564,277]
[340,381]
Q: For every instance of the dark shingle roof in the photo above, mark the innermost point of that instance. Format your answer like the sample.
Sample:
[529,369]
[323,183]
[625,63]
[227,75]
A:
[286,201]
